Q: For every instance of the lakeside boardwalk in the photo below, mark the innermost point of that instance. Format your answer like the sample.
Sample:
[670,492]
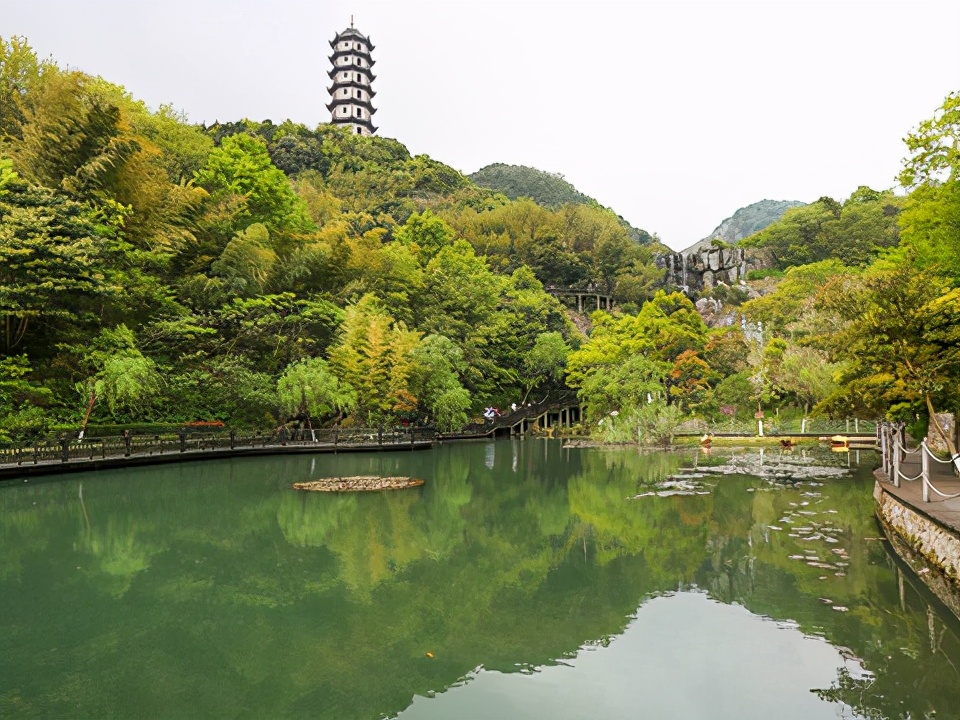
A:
[53,466]
[942,510]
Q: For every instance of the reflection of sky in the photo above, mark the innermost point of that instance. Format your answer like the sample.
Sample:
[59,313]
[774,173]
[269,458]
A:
[685,656]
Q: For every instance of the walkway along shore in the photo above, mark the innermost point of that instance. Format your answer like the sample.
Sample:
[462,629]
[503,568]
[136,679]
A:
[71,455]
[918,504]
[64,455]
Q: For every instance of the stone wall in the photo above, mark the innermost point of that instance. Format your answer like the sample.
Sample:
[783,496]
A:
[936,544]
[703,269]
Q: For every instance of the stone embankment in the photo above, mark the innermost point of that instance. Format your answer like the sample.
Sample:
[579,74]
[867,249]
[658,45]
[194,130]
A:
[925,535]
[930,550]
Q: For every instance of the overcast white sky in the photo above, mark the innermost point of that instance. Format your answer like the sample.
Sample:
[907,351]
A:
[674,114]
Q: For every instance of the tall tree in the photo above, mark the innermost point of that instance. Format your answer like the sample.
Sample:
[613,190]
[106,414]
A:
[242,167]
[374,356]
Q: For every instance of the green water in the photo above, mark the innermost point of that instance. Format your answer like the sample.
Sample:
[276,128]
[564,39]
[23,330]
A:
[523,580]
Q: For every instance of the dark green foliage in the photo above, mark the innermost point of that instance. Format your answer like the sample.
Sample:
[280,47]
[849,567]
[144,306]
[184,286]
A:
[853,232]
[516,181]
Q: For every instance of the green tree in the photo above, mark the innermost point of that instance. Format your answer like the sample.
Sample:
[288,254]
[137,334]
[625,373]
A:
[55,273]
[247,262]
[128,381]
[20,74]
[545,362]
[425,235]
[930,222]
[374,356]
[434,380]
[899,344]
[308,389]
[242,167]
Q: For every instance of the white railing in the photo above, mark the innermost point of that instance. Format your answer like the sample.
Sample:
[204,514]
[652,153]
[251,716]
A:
[894,452]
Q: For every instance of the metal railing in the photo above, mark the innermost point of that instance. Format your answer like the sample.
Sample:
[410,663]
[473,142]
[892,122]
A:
[773,425]
[66,449]
[894,452]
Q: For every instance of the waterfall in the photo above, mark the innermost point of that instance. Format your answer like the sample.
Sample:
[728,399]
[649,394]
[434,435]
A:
[683,259]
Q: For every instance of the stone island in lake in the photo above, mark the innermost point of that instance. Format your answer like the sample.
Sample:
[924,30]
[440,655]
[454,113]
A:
[358,483]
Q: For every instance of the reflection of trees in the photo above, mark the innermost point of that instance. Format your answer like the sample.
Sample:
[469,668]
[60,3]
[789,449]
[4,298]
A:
[306,520]
[119,551]
[657,528]
[325,605]
[749,563]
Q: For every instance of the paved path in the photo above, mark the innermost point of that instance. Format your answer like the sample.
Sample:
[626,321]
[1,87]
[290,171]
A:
[946,512]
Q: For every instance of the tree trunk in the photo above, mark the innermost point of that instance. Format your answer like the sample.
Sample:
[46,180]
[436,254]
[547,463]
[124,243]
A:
[86,417]
[933,421]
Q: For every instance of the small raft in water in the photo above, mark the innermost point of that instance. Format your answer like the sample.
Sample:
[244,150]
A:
[358,483]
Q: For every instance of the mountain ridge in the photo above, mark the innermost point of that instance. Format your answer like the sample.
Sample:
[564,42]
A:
[548,189]
[745,222]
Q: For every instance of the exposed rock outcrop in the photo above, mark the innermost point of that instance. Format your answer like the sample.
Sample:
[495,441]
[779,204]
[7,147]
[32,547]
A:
[695,272]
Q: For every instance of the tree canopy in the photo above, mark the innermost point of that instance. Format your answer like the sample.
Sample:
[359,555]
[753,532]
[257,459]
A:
[264,273]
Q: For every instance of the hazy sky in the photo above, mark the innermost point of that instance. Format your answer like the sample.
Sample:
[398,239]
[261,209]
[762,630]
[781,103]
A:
[674,114]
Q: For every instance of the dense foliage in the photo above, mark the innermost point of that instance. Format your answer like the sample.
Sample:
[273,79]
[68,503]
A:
[261,274]
[155,270]
[550,190]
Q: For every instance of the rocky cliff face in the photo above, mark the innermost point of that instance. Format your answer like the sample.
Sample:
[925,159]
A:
[694,272]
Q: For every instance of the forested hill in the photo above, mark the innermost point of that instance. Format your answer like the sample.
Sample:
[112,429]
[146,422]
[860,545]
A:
[260,273]
[516,181]
[745,222]
[253,272]
[550,190]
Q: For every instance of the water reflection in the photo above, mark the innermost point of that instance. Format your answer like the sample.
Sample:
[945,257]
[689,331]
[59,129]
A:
[214,590]
[718,661]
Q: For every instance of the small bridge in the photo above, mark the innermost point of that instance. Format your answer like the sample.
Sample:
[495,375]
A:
[585,297]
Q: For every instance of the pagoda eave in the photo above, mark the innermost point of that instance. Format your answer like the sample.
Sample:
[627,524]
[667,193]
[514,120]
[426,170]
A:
[351,84]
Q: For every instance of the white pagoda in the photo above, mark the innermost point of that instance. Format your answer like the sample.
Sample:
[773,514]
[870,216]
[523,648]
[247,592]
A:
[351,95]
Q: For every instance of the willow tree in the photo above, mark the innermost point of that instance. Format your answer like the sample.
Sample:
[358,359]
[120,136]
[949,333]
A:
[308,389]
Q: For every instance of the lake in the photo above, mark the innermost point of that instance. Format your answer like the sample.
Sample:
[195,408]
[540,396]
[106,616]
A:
[523,580]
